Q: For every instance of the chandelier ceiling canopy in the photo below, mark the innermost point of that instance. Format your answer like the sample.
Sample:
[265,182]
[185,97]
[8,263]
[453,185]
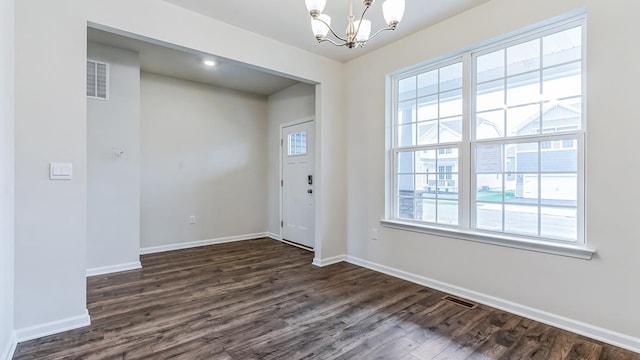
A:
[358,31]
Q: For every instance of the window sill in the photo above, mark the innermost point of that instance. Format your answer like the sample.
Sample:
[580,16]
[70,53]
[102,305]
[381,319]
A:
[574,251]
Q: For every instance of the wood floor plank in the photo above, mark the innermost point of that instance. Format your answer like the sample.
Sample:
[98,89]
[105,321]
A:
[261,299]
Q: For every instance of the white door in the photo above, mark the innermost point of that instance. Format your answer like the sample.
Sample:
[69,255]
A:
[298,183]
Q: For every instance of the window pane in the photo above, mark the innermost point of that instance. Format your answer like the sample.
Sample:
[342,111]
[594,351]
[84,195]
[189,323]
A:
[490,96]
[428,83]
[489,188]
[430,190]
[559,223]
[406,185]
[489,216]
[520,219]
[428,210]
[406,112]
[558,159]
[562,81]
[406,208]
[526,157]
[406,135]
[490,66]
[562,47]
[428,132]
[559,189]
[407,89]
[448,212]
[490,124]
[405,162]
[451,77]
[523,89]
[523,57]
[451,103]
[558,117]
[448,185]
[523,120]
[428,108]
[428,160]
[451,130]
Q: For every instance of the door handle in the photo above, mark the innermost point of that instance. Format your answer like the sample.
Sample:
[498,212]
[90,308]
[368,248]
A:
[309,191]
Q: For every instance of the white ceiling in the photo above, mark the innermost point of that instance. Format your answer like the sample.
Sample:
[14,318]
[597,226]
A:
[288,20]
[284,20]
[181,63]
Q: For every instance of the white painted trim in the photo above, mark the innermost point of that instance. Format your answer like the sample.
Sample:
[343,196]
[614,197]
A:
[114,268]
[274,236]
[329,261]
[610,337]
[54,327]
[192,244]
[7,354]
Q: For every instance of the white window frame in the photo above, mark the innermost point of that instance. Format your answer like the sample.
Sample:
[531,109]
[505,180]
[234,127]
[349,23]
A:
[466,174]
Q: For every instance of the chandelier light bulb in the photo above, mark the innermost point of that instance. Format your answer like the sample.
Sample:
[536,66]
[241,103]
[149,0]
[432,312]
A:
[320,29]
[363,28]
[315,7]
[393,11]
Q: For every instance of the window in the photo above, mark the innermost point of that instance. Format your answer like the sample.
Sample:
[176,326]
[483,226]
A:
[491,142]
[298,143]
[428,133]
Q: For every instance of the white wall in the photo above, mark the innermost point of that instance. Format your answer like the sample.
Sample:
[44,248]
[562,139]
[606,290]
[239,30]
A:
[601,292]
[51,224]
[203,154]
[6,174]
[113,183]
[291,104]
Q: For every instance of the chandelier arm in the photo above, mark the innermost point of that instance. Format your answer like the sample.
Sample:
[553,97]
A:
[333,42]
[364,12]
[331,29]
[379,31]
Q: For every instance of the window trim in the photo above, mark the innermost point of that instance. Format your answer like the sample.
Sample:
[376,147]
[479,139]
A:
[464,229]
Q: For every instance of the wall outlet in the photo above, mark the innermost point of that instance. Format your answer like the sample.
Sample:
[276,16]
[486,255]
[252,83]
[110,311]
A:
[374,234]
[192,219]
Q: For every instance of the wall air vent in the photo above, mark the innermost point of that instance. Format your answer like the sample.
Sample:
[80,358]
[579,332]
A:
[97,80]
[459,301]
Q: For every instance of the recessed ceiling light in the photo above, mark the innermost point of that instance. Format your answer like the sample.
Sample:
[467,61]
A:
[209,62]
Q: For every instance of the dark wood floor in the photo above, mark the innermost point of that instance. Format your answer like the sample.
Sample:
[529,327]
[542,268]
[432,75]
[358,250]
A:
[261,299]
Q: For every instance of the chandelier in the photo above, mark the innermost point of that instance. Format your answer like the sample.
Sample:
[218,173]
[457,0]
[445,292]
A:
[358,31]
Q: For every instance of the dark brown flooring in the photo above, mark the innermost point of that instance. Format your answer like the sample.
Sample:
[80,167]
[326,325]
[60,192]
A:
[261,299]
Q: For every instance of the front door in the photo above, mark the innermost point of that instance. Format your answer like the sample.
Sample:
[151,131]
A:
[298,183]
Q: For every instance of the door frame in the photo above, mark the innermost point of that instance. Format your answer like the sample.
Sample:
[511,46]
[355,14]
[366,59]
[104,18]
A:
[281,173]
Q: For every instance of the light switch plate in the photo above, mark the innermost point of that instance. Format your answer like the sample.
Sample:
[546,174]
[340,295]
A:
[60,171]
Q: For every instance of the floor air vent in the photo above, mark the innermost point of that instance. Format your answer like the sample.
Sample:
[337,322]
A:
[461,302]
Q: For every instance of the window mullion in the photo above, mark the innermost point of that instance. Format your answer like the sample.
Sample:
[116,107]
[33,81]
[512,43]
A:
[465,172]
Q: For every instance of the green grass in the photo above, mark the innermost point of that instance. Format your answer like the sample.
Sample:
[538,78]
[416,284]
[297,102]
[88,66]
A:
[494,196]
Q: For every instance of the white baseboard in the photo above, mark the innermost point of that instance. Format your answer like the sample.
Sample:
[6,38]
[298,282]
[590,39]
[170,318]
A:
[7,354]
[329,261]
[114,268]
[192,244]
[611,337]
[274,236]
[54,327]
